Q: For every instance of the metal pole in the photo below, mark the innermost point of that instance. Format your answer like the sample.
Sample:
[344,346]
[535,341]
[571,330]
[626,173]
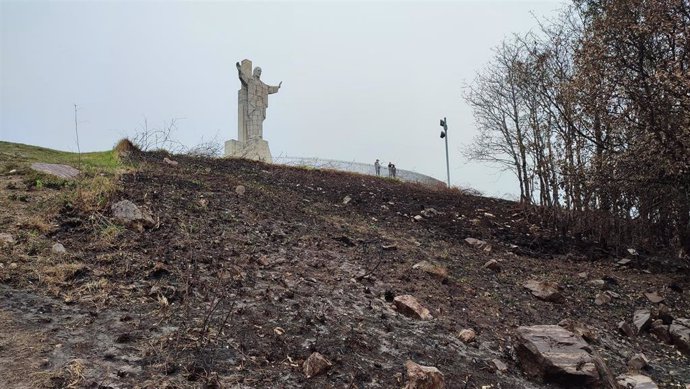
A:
[445,127]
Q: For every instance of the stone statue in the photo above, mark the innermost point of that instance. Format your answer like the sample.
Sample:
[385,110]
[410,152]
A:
[251,112]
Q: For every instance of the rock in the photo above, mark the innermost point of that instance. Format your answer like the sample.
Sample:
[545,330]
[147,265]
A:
[633,252]
[602,298]
[418,218]
[409,306]
[431,268]
[624,262]
[583,274]
[6,238]
[661,331]
[680,334]
[635,381]
[58,248]
[478,244]
[545,290]
[347,199]
[579,328]
[423,377]
[170,161]
[665,314]
[654,297]
[489,215]
[493,265]
[127,212]
[500,366]
[598,283]
[625,328]
[642,318]
[430,212]
[467,335]
[389,247]
[556,354]
[13,265]
[240,190]
[638,362]
[61,171]
[315,365]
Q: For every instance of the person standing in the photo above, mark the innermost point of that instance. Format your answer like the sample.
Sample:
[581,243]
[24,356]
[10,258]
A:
[390,169]
[377,167]
[395,170]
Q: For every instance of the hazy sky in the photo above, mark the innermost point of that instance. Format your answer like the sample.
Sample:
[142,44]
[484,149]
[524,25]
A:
[361,80]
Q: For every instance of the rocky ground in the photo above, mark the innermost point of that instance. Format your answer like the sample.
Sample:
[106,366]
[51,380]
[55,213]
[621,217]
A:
[238,274]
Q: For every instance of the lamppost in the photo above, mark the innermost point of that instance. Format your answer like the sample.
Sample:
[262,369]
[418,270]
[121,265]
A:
[444,134]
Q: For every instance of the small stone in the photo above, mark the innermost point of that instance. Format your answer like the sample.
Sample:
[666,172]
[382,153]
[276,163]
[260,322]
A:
[467,335]
[493,265]
[659,329]
[58,248]
[431,268]
[418,218]
[409,306]
[315,365]
[489,215]
[654,297]
[389,247]
[127,212]
[602,298]
[500,366]
[430,212]
[638,362]
[6,238]
[170,161]
[13,265]
[624,262]
[626,329]
[598,283]
[478,244]
[633,252]
[635,381]
[347,199]
[584,274]
[240,190]
[579,328]
[680,334]
[423,377]
[545,290]
[642,318]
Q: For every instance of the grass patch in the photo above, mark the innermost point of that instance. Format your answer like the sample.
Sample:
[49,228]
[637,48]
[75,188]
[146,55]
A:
[20,156]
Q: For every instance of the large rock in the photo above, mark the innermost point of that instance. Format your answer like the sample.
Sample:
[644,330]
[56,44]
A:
[423,377]
[409,306]
[467,335]
[315,365]
[545,290]
[642,318]
[680,334]
[58,248]
[635,381]
[63,171]
[638,362]
[555,354]
[127,212]
[580,329]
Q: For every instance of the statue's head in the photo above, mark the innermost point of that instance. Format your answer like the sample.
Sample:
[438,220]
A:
[257,72]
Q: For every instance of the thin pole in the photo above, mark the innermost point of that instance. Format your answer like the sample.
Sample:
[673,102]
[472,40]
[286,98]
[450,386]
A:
[447,162]
[76,131]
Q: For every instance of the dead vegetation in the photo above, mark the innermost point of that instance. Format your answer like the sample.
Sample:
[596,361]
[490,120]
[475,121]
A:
[231,289]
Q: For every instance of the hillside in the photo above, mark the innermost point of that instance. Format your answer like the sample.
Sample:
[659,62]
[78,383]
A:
[245,269]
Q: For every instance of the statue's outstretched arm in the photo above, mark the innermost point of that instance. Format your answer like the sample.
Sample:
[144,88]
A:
[274,89]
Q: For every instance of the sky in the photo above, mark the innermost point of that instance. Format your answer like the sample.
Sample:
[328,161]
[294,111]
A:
[361,80]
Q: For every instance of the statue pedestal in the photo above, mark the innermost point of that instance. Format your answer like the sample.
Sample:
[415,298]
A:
[255,149]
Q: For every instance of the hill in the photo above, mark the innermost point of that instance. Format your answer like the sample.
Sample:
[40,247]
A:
[237,271]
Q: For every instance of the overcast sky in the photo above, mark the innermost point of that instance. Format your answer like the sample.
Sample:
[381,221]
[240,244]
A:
[361,80]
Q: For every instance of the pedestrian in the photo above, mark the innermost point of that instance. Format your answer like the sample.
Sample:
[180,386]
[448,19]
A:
[395,170]
[390,169]
[377,167]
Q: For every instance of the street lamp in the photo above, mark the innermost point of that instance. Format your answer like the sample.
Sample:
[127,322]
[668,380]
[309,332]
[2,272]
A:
[444,134]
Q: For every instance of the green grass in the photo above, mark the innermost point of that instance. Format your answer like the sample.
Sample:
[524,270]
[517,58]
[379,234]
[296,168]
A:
[20,156]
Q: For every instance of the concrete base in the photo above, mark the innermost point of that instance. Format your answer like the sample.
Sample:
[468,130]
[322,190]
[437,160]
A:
[255,149]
